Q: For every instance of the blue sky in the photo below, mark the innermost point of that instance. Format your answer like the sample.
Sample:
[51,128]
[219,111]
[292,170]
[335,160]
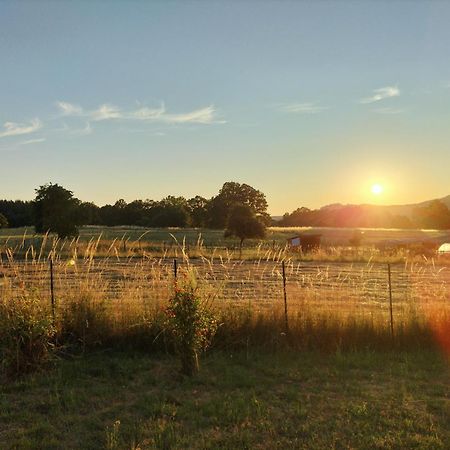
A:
[311,102]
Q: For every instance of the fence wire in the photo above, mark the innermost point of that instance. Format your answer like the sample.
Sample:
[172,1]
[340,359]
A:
[357,286]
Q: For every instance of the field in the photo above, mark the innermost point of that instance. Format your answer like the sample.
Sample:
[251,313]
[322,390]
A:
[254,400]
[335,353]
[387,245]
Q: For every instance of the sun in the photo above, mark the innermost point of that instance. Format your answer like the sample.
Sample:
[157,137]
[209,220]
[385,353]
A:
[376,189]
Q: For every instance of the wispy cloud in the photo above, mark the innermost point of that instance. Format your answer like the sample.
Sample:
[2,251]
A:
[106,112]
[381,94]
[389,111]
[33,141]
[145,113]
[68,109]
[87,129]
[205,115]
[17,129]
[301,108]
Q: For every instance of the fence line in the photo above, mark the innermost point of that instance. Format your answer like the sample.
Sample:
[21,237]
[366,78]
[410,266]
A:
[359,287]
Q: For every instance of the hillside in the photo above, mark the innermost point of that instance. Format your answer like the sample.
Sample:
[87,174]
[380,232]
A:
[395,210]
[425,215]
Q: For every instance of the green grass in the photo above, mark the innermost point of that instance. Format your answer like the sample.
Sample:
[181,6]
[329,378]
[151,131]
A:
[211,238]
[253,400]
[378,245]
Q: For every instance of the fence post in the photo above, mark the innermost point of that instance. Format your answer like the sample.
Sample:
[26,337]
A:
[175,271]
[286,323]
[52,290]
[390,301]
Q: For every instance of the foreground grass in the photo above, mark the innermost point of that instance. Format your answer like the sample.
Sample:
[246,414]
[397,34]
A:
[252,400]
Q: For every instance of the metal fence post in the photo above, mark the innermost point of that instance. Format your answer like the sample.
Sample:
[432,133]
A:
[390,301]
[286,323]
[175,271]
[52,289]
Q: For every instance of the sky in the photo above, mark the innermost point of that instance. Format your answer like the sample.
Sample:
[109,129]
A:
[310,102]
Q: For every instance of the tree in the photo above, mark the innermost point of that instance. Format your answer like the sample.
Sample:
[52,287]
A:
[3,221]
[198,210]
[171,212]
[433,215]
[244,224]
[56,210]
[235,193]
[17,212]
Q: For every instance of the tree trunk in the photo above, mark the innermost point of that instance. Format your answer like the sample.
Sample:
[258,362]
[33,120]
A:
[240,248]
[189,363]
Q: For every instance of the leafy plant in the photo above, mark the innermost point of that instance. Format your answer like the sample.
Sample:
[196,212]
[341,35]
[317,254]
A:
[192,326]
[26,334]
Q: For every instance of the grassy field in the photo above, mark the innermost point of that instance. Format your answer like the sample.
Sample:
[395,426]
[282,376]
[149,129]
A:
[386,245]
[330,236]
[335,378]
[238,401]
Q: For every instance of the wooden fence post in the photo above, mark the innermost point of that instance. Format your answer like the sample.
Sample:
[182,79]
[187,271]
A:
[390,301]
[286,323]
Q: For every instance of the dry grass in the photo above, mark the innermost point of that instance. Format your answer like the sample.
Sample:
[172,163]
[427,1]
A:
[104,299]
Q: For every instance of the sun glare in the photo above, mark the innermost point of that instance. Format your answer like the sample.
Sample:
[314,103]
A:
[376,189]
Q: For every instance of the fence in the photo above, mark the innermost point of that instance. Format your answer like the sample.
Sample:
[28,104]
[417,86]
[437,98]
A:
[353,288]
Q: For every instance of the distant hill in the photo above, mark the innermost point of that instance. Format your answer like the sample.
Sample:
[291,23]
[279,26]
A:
[396,210]
[428,214]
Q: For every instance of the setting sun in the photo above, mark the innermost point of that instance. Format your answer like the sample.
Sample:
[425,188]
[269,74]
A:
[376,189]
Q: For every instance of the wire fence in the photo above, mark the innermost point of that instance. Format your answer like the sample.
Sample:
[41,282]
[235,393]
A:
[359,287]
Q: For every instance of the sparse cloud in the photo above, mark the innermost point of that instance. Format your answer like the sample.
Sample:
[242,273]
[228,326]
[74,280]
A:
[17,129]
[106,112]
[68,109]
[145,113]
[301,108]
[87,129]
[33,141]
[381,94]
[205,115]
[389,111]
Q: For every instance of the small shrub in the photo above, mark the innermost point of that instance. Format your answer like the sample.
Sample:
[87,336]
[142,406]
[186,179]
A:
[192,326]
[26,335]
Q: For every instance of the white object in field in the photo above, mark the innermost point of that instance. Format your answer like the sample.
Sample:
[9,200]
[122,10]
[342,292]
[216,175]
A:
[444,248]
[295,242]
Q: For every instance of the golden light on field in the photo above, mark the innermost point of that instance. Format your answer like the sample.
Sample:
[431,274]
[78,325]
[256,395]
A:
[376,189]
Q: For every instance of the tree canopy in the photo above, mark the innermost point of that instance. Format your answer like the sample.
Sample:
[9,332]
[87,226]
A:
[244,223]
[56,210]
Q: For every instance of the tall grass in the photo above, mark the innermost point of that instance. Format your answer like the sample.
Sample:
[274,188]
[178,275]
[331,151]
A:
[104,299]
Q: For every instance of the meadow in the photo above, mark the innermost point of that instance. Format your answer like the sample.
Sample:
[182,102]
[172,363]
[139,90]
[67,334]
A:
[240,400]
[384,245]
[330,355]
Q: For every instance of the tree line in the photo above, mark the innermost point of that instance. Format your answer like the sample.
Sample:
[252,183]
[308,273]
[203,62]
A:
[56,208]
[433,215]
[238,208]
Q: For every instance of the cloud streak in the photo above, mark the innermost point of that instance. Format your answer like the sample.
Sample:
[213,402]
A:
[68,109]
[301,108]
[17,129]
[206,115]
[382,94]
[389,111]
[33,141]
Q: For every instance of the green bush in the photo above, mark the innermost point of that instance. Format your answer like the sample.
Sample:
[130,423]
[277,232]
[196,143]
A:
[26,334]
[192,326]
